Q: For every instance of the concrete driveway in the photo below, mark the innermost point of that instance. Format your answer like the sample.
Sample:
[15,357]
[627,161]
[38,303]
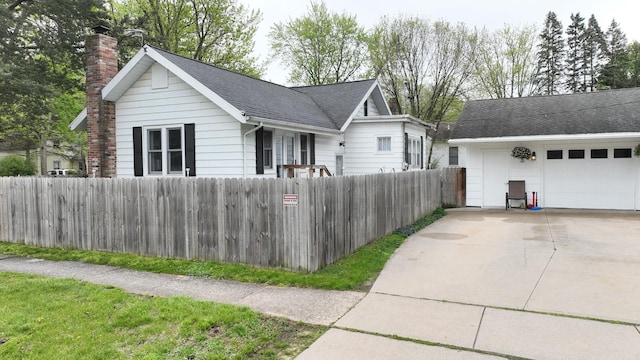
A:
[550,284]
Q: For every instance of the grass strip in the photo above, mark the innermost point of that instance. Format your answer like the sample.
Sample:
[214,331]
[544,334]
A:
[47,318]
[354,272]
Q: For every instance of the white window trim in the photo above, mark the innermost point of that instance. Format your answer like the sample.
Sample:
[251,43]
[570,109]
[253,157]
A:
[457,156]
[414,152]
[384,152]
[307,151]
[164,136]
[271,167]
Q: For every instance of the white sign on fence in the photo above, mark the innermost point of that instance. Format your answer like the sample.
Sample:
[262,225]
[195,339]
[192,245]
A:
[289,199]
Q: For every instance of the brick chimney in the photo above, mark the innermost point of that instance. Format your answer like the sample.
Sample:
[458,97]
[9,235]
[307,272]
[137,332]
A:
[101,65]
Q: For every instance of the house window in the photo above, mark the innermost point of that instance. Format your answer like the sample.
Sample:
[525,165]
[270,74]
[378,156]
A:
[576,154]
[165,151]
[304,149]
[267,149]
[554,154]
[174,151]
[414,152]
[621,153]
[56,164]
[599,153]
[384,144]
[154,151]
[366,108]
[339,165]
[453,155]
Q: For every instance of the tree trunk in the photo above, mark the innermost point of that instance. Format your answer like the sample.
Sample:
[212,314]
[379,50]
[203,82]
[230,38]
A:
[433,141]
[43,155]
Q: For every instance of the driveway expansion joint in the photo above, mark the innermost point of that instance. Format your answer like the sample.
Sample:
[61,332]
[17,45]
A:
[431,343]
[539,279]
[637,329]
[479,326]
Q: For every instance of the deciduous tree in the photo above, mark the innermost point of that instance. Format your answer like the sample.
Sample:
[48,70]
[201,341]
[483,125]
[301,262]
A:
[614,75]
[321,47]
[40,57]
[633,53]
[218,32]
[428,64]
[506,64]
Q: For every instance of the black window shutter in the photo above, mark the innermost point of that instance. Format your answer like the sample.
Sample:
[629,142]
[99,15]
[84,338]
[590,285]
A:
[260,151]
[137,151]
[312,149]
[421,152]
[406,148]
[190,148]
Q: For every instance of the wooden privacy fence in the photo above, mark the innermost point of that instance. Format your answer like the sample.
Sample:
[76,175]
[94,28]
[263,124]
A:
[454,187]
[227,220]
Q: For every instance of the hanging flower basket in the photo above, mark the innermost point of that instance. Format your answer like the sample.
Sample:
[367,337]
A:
[521,152]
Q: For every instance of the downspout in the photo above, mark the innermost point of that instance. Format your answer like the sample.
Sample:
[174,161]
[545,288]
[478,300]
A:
[404,148]
[244,151]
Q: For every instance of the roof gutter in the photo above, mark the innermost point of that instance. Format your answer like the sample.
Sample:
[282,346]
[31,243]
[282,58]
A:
[285,125]
[244,151]
[563,137]
[393,118]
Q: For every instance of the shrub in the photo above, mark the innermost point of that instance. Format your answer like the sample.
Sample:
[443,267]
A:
[14,165]
[420,223]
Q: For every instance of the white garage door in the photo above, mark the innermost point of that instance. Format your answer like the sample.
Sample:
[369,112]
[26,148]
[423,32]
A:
[589,178]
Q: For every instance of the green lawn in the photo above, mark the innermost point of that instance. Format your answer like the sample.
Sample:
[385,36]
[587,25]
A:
[45,318]
[355,272]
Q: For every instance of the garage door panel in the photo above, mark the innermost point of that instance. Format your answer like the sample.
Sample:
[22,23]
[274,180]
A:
[589,183]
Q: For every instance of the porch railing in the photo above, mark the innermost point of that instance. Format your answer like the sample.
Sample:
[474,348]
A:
[289,170]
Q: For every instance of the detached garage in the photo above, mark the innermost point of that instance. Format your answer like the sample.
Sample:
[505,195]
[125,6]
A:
[575,151]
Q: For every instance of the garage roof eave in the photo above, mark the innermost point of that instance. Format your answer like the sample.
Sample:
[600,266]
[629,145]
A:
[563,137]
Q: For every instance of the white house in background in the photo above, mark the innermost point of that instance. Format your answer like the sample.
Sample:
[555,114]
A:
[583,145]
[444,154]
[177,116]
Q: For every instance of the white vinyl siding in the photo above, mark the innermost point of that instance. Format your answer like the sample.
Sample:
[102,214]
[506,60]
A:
[327,147]
[361,142]
[372,110]
[218,135]
[441,155]
[159,77]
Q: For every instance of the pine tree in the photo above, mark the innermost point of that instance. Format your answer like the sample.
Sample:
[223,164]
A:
[575,52]
[550,55]
[594,54]
[615,71]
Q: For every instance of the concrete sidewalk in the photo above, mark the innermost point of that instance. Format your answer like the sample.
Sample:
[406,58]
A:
[320,307]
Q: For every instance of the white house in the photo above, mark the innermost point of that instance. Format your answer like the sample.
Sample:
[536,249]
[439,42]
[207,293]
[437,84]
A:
[444,154]
[583,145]
[177,116]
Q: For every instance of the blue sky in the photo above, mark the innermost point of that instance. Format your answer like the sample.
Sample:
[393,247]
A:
[491,14]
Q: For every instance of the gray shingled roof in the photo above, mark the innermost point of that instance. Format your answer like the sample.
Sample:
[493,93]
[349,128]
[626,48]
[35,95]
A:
[339,100]
[612,111]
[267,100]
